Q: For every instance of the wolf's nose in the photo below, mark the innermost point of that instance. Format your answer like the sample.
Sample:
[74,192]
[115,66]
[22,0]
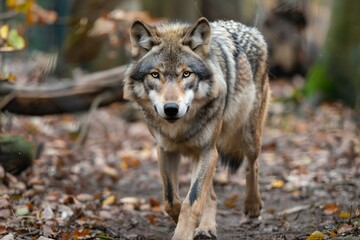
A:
[171,109]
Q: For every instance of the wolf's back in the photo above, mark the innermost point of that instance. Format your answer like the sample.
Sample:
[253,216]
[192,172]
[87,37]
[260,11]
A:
[234,38]
[242,55]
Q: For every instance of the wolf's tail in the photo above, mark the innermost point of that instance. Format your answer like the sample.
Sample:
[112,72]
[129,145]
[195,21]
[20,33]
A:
[230,161]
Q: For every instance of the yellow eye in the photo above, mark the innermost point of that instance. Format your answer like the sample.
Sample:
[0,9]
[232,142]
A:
[186,74]
[155,74]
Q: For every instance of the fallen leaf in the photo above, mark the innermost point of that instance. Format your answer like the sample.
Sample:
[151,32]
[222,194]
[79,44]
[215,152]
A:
[151,218]
[66,212]
[47,213]
[5,213]
[315,236]
[105,215]
[330,208]
[109,200]
[83,233]
[24,210]
[111,172]
[3,229]
[65,236]
[10,236]
[344,215]
[129,162]
[277,184]
[230,202]
[154,203]
[345,228]
[130,203]
[332,233]
[47,230]
[84,197]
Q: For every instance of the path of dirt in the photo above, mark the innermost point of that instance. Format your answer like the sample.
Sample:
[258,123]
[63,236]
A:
[110,188]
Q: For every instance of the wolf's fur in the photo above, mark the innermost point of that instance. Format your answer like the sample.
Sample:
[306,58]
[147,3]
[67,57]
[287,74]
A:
[204,92]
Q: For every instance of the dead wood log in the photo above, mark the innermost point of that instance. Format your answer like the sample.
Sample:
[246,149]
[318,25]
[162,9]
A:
[65,96]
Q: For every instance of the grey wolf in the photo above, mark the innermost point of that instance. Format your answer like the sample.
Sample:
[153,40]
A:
[204,91]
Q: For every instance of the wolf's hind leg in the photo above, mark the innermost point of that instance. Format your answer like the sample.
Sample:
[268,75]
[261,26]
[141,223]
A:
[207,227]
[252,199]
[252,140]
[169,165]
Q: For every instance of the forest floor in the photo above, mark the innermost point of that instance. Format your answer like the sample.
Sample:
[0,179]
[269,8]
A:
[106,184]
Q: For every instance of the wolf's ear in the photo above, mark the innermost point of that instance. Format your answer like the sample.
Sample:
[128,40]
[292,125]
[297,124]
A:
[198,37]
[141,38]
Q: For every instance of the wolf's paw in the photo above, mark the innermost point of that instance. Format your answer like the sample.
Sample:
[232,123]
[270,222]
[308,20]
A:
[205,233]
[252,209]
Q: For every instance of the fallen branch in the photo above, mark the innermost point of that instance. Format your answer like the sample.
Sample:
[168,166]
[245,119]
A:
[65,96]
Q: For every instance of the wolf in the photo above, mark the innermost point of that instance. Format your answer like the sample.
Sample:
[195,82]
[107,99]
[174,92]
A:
[204,91]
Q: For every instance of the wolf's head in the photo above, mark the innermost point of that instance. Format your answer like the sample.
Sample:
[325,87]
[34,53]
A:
[170,71]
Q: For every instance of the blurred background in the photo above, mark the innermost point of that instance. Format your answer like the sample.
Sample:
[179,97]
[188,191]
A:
[312,40]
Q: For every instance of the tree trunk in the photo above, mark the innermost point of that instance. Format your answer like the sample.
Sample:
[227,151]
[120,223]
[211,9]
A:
[336,75]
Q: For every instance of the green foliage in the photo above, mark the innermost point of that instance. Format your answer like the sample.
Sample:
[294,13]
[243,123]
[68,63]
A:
[319,82]
[336,75]
[15,40]
[16,153]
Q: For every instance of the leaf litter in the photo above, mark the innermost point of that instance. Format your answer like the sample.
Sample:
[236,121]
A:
[110,188]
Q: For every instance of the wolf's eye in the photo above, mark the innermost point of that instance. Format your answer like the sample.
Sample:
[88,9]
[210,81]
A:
[186,74]
[155,74]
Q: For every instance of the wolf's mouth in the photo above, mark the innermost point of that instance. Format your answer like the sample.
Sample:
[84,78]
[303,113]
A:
[171,120]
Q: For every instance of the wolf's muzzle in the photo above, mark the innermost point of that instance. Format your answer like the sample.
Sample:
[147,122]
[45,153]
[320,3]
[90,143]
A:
[171,109]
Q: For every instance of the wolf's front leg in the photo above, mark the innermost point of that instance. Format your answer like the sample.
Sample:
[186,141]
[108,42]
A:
[197,197]
[169,166]
[207,226]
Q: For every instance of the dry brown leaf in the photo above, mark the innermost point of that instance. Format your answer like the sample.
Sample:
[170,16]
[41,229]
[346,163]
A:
[332,233]
[83,233]
[129,162]
[151,218]
[154,203]
[3,229]
[331,208]
[231,201]
[65,236]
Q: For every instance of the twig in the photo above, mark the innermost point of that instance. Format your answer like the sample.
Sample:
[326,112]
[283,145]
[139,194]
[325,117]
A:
[30,234]
[104,229]
[7,99]
[94,106]
[295,209]
[271,234]
[8,15]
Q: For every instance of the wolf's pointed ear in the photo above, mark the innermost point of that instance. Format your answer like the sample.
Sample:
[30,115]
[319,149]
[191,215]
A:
[198,37]
[141,38]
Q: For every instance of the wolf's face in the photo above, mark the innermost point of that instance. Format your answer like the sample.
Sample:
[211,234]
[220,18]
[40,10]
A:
[169,72]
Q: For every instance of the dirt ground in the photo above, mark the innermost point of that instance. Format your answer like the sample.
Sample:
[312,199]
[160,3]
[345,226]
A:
[105,184]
